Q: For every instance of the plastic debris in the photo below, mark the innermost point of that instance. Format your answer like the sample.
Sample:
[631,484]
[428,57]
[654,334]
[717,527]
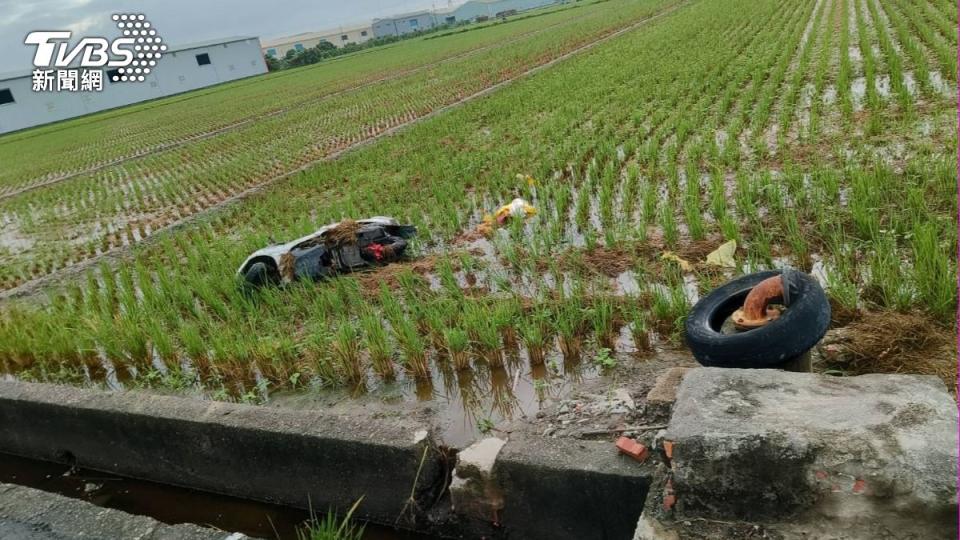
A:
[517,208]
[671,256]
[723,255]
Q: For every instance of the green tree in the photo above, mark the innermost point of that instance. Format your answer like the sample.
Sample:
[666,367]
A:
[273,64]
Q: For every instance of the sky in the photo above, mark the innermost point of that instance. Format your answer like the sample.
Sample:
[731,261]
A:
[181,21]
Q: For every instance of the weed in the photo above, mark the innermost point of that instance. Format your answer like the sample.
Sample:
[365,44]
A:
[604,359]
[332,527]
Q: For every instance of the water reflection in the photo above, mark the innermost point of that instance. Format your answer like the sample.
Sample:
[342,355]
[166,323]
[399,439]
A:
[504,402]
[423,389]
[516,384]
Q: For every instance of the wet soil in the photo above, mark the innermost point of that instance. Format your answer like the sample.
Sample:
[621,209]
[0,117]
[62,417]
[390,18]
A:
[561,398]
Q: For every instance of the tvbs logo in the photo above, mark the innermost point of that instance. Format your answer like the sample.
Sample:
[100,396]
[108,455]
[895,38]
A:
[130,57]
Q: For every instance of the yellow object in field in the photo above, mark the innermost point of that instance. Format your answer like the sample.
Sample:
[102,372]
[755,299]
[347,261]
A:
[516,208]
[673,257]
[723,255]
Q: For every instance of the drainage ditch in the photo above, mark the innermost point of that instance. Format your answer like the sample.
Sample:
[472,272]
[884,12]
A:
[311,458]
[173,505]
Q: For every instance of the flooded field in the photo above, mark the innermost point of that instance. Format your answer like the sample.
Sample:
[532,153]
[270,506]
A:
[817,135]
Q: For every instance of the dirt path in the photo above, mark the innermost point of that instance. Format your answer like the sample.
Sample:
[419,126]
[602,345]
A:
[117,253]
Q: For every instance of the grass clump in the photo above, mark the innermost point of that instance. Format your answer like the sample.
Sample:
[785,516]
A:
[332,527]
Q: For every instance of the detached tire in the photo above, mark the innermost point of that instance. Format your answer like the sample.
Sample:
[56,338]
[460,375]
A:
[796,331]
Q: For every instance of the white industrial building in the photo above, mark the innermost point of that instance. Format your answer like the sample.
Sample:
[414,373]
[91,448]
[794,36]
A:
[338,37]
[402,24]
[405,23]
[488,9]
[181,69]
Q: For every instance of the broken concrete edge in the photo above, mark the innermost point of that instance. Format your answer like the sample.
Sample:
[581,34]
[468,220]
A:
[549,488]
[660,398]
[31,514]
[791,450]
[299,458]
[474,493]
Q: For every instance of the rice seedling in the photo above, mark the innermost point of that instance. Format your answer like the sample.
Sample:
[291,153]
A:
[668,224]
[412,346]
[346,351]
[884,284]
[570,320]
[602,320]
[798,242]
[934,271]
[669,308]
[504,318]
[377,343]
[627,151]
[637,316]
[457,343]
[535,334]
[486,335]
[448,280]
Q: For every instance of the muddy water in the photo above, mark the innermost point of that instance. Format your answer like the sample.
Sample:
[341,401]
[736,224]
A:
[460,404]
[168,504]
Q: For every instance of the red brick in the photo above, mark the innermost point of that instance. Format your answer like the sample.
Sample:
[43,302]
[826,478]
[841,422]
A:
[632,448]
[859,486]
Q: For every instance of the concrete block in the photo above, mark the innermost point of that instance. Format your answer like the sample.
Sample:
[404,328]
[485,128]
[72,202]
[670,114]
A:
[762,444]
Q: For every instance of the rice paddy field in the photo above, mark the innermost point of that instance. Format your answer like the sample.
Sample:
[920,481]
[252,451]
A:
[818,134]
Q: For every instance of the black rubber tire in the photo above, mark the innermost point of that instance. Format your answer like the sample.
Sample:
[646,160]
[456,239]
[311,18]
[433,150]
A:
[796,331]
[259,274]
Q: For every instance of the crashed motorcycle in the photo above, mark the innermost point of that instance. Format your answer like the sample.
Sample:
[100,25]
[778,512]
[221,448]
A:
[337,248]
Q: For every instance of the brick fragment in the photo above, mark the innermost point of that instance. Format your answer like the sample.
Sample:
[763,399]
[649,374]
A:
[632,448]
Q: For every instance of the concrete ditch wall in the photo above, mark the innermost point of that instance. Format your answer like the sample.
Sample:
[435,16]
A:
[545,488]
[564,488]
[294,458]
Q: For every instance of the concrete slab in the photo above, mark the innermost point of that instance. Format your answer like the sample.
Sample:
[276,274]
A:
[764,445]
[295,458]
[30,514]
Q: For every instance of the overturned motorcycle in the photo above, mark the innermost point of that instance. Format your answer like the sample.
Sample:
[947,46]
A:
[334,249]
